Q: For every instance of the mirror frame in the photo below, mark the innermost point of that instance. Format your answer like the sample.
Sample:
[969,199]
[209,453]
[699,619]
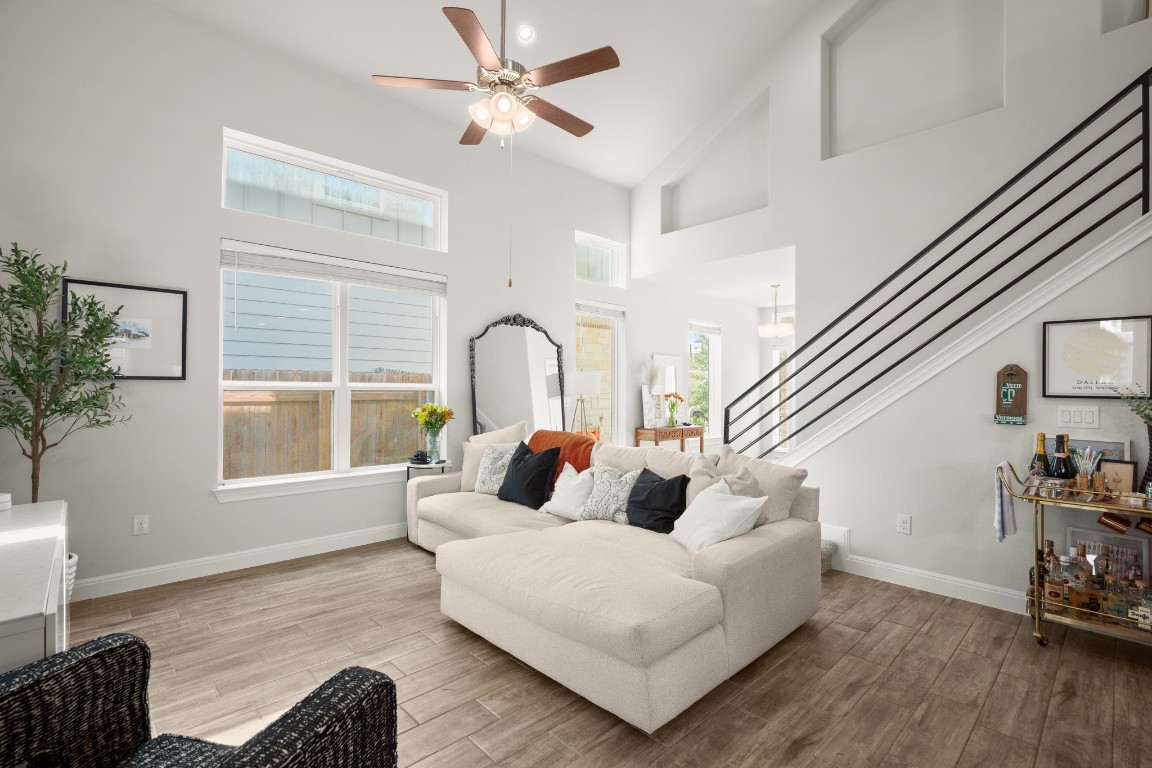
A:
[517,321]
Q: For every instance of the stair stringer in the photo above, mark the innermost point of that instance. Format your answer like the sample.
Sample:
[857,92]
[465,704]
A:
[1052,288]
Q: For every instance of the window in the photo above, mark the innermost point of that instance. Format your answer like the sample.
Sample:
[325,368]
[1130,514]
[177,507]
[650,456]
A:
[782,415]
[599,350]
[599,260]
[323,361]
[704,407]
[272,179]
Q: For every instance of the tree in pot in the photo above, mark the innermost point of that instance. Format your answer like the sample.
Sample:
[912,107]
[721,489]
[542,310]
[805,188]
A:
[56,376]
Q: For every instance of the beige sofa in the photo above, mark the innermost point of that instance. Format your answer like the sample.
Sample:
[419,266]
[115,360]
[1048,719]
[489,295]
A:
[625,617]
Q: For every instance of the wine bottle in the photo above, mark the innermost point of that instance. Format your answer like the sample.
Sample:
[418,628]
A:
[1039,464]
[1061,466]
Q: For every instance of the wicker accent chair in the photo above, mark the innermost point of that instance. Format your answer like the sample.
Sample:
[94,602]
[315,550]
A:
[88,708]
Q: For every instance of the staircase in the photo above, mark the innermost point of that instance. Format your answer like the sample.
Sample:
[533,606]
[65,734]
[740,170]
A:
[1081,204]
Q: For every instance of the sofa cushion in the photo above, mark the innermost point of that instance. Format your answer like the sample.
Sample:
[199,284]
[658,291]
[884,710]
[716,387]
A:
[609,497]
[633,544]
[529,476]
[572,490]
[626,608]
[663,461]
[574,449]
[656,502]
[715,515]
[515,433]
[478,514]
[493,466]
[779,484]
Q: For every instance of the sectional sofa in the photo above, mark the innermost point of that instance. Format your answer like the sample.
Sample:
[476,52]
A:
[626,617]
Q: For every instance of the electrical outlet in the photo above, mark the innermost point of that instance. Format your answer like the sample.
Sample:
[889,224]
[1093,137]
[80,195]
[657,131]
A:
[904,524]
[140,525]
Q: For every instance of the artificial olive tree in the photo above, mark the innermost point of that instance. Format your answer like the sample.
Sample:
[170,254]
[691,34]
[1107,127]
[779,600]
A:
[56,376]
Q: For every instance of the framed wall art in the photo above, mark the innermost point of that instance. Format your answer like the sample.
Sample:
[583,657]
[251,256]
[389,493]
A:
[1091,358]
[151,340]
[1120,475]
[1126,551]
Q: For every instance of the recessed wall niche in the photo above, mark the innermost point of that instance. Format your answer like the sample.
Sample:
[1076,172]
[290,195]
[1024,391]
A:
[896,67]
[728,176]
[1117,14]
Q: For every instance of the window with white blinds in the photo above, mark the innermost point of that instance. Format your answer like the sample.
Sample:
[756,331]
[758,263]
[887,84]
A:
[322,361]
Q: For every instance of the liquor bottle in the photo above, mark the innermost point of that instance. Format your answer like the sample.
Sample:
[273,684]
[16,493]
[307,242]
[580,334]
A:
[1051,561]
[1061,466]
[1082,563]
[1140,607]
[1103,565]
[1054,593]
[1114,605]
[1039,464]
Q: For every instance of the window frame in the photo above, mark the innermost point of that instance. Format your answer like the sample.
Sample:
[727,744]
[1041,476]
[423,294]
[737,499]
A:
[619,269]
[715,426]
[342,474]
[274,150]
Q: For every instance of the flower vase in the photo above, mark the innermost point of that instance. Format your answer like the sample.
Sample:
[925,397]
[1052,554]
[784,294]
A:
[432,437]
[671,417]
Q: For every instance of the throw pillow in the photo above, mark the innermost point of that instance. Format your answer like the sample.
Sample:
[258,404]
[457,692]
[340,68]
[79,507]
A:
[655,503]
[529,476]
[572,491]
[493,466]
[609,497]
[513,434]
[715,515]
[574,449]
[470,467]
[780,484]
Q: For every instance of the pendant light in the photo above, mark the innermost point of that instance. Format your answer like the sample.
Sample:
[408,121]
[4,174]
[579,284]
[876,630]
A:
[776,329]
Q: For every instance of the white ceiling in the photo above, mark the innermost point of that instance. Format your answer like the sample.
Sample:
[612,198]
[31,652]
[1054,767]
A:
[679,59]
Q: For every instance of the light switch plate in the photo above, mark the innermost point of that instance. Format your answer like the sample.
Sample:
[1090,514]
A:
[1078,416]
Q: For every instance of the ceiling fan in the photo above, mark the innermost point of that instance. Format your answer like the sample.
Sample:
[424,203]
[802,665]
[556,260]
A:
[509,105]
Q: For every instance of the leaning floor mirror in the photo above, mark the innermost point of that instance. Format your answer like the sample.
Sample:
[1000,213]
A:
[517,375]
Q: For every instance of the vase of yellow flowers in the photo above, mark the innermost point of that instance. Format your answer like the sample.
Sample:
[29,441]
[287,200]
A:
[432,418]
[672,400]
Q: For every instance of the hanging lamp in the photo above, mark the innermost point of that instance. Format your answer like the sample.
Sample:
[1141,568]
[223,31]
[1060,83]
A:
[776,329]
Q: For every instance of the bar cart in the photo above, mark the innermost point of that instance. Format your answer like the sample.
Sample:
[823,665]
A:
[1080,618]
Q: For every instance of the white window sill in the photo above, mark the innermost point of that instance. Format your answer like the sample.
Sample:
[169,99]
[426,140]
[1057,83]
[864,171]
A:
[267,489]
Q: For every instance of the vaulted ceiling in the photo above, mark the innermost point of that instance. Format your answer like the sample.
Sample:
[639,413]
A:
[679,60]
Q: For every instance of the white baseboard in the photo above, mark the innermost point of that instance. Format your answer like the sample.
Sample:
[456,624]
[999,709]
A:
[916,578]
[115,583]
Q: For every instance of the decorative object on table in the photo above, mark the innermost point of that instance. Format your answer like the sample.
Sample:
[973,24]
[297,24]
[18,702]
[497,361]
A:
[1119,476]
[1140,404]
[420,457]
[584,384]
[515,359]
[673,400]
[1084,463]
[1092,358]
[650,398]
[1011,396]
[776,329]
[150,339]
[432,418]
[72,353]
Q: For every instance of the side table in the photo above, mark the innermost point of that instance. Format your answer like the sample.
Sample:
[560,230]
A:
[664,434]
[443,466]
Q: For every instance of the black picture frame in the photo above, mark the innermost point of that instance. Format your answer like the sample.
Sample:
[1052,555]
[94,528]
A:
[1096,346]
[159,314]
[1126,471]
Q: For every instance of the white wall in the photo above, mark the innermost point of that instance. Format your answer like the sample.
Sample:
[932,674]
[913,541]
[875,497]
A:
[854,218]
[111,156]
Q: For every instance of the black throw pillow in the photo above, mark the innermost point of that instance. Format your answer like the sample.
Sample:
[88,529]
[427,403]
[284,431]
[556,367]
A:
[529,476]
[656,503]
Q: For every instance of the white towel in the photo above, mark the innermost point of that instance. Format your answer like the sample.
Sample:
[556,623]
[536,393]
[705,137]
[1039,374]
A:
[1004,516]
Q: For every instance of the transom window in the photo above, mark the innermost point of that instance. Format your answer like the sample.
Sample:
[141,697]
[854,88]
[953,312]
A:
[599,260]
[323,361]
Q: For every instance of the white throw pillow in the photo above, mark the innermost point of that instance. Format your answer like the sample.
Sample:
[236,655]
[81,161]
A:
[715,515]
[572,491]
[514,434]
[493,466]
[470,467]
[609,497]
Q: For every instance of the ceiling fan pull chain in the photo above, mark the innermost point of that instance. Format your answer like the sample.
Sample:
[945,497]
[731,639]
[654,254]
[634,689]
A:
[510,188]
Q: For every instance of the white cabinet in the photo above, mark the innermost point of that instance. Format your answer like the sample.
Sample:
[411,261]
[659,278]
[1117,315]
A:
[33,604]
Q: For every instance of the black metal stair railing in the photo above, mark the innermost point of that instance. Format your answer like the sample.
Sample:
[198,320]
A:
[1093,181]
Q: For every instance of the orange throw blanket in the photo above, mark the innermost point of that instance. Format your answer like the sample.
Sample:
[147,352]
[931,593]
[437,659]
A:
[574,449]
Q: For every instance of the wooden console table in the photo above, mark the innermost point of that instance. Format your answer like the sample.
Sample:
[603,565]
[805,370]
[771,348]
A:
[664,434]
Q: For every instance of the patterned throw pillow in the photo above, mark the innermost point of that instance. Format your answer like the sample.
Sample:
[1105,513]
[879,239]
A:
[493,467]
[609,497]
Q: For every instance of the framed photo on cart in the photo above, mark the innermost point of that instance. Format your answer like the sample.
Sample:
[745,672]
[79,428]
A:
[1119,475]
[1091,358]
[1126,551]
[151,337]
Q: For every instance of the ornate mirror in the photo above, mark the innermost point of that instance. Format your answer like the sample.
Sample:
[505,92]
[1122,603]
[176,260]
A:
[517,375]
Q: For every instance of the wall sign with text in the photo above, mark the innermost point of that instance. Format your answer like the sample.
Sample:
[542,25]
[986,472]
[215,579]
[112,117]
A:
[1011,395]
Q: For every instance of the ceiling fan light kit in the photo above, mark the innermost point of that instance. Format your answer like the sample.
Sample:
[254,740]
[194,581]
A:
[509,107]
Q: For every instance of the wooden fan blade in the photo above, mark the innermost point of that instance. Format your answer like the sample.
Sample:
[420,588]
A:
[558,117]
[421,82]
[473,134]
[468,26]
[567,69]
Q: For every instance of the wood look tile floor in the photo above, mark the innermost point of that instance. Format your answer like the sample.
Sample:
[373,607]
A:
[882,675]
